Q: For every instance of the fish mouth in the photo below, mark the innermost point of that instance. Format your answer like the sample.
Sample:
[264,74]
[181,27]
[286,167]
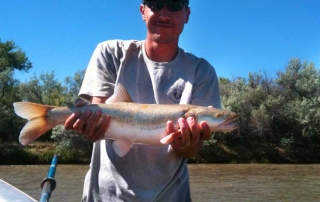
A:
[228,125]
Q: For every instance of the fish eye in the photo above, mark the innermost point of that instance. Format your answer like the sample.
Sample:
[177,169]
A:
[219,115]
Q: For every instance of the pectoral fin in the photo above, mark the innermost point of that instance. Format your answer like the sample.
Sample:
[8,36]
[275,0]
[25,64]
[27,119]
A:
[121,147]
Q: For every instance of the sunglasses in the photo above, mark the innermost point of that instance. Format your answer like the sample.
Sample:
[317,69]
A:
[172,6]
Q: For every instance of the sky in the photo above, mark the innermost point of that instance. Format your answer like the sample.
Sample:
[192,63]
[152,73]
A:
[236,36]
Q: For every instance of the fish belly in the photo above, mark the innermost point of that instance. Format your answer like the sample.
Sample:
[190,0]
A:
[135,133]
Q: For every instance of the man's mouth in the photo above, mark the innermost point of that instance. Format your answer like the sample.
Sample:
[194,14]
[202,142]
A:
[161,24]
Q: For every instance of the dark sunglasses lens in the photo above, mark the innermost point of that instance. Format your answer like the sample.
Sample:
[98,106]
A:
[172,6]
[155,5]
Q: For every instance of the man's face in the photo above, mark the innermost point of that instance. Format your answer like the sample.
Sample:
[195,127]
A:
[164,26]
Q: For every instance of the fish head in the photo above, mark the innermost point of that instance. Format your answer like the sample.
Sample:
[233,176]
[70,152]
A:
[219,120]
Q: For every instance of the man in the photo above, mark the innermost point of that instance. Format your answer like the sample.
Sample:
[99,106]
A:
[154,71]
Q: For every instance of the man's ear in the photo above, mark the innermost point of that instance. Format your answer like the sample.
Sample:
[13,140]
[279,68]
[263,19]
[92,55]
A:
[142,9]
[187,15]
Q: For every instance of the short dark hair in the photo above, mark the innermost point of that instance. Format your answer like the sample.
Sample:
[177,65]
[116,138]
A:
[186,2]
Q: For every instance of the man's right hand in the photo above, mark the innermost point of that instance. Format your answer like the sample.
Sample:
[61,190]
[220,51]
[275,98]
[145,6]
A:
[88,124]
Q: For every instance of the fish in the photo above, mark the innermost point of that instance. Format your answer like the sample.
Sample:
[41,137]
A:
[130,123]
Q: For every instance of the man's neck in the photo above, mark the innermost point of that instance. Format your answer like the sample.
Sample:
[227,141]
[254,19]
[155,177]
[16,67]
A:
[161,52]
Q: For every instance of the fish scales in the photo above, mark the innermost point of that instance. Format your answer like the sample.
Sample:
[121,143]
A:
[145,115]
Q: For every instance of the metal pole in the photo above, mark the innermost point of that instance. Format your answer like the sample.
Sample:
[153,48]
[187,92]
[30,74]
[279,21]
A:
[49,184]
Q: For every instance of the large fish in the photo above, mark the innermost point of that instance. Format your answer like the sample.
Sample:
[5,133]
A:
[130,123]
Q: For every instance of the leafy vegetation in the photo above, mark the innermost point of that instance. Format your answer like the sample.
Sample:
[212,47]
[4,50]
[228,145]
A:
[279,119]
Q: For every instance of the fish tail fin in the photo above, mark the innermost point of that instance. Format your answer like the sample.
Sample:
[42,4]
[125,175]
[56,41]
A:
[36,115]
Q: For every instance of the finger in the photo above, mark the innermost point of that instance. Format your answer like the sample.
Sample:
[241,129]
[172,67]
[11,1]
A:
[206,131]
[79,102]
[99,132]
[172,134]
[195,130]
[171,137]
[68,124]
[176,137]
[170,127]
[92,123]
[80,123]
[185,131]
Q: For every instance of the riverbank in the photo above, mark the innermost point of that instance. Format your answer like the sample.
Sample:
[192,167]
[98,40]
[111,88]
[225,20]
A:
[42,153]
[39,153]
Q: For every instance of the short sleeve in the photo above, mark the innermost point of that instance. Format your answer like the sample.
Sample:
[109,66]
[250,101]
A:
[101,73]
[206,90]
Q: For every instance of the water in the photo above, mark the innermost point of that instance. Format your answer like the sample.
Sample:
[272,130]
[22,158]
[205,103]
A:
[255,182]
[209,182]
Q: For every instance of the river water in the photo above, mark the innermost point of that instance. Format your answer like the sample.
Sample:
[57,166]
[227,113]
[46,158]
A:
[209,182]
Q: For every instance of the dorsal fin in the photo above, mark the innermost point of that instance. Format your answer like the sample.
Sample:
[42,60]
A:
[120,95]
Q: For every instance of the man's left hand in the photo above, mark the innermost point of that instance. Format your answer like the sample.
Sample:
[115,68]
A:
[190,140]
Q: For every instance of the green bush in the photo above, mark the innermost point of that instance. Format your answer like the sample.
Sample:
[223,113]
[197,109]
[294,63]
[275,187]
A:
[278,119]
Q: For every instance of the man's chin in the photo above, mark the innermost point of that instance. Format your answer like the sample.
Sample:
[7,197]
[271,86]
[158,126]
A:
[160,38]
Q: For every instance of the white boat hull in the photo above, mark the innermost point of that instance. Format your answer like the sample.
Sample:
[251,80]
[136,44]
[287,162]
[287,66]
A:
[9,193]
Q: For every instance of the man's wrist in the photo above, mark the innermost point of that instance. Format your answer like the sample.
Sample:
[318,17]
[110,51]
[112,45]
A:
[187,152]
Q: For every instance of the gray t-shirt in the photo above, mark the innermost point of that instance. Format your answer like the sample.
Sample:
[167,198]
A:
[146,173]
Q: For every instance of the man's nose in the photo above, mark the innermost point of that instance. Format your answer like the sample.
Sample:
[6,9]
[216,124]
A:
[164,13]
